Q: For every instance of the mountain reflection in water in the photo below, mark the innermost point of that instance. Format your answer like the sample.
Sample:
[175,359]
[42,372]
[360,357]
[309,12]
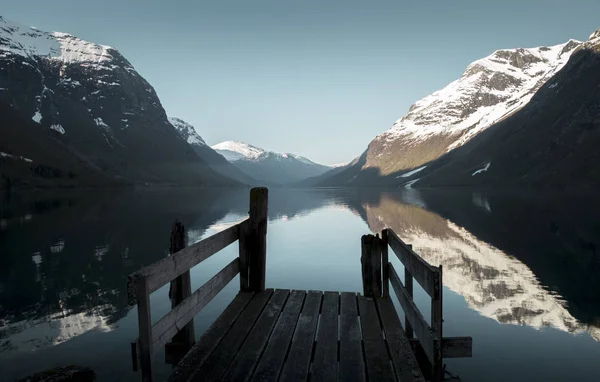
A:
[519,259]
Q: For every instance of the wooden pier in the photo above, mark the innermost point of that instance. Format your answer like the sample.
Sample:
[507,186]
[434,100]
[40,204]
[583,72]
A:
[292,335]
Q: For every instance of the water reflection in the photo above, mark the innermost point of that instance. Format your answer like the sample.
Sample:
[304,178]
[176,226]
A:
[518,259]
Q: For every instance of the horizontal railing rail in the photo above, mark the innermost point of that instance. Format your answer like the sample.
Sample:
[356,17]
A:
[169,268]
[378,273]
[175,269]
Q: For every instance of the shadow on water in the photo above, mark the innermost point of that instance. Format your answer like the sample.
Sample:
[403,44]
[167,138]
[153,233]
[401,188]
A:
[521,259]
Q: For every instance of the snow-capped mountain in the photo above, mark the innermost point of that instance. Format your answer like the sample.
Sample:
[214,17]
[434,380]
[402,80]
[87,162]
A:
[96,104]
[215,160]
[187,132]
[268,166]
[491,91]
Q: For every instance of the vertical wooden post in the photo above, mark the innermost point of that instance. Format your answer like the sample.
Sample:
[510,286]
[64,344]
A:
[385,287]
[436,325]
[365,264]
[408,283]
[180,289]
[371,265]
[244,256]
[257,238]
[376,261]
[145,327]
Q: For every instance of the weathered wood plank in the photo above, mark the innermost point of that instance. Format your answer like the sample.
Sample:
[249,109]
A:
[243,364]
[169,325]
[210,339]
[419,268]
[385,291]
[436,326]
[403,359]
[181,288]
[168,268]
[325,362]
[424,333]
[244,229]
[257,238]
[371,265]
[145,328]
[351,367]
[215,366]
[408,281]
[297,365]
[453,347]
[376,353]
[272,360]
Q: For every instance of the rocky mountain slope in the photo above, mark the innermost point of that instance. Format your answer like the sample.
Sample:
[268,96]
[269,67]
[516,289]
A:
[552,141]
[268,166]
[215,160]
[494,94]
[95,104]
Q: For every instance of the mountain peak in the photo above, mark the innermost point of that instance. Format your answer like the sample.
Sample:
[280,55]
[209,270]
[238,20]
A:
[595,35]
[187,131]
[29,41]
[235,150]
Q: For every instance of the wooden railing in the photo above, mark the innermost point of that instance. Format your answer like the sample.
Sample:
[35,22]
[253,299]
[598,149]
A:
[178,323]
[378,273]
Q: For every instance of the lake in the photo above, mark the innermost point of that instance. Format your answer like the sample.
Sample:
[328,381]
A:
[521,270]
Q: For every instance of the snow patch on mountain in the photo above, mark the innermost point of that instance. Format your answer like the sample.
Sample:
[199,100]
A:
[234,151]
[30,42]
[7,155]
[58,128]
[482,170]
[411,173]
[187,131]
[37,117]
[490,89]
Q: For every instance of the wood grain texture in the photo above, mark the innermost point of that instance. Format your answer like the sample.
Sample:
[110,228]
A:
[177,318]
[419,268]
[325,363]
[377,357]
[401,354]
[297,364]
[217,363]
[351,367]
[424,333]
[271,362]
[167,269]
[210,339]
[244,363]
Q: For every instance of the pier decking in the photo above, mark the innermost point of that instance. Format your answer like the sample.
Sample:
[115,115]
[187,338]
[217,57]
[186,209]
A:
[292,335]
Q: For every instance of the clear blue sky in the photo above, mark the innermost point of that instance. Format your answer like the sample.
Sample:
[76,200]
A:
[318,78]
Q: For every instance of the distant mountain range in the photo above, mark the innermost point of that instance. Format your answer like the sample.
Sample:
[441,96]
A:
[267,166]
[75,113]
[519,117]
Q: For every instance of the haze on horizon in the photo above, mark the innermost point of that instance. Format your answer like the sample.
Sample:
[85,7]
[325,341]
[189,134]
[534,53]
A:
[315,79]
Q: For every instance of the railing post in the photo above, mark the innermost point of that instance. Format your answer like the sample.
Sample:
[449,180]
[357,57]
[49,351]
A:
[436,325]
[408,283]
[145,327]
[256,240]
[180,289]
[385,287]
[243,231]
[371,265]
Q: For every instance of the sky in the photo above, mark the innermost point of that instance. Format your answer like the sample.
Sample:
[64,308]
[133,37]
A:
[316,78]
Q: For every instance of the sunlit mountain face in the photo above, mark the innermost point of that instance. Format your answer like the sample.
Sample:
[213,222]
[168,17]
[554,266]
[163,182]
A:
[493,281]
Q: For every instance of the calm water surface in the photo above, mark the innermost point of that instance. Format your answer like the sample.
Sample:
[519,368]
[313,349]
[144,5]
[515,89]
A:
[521,272]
